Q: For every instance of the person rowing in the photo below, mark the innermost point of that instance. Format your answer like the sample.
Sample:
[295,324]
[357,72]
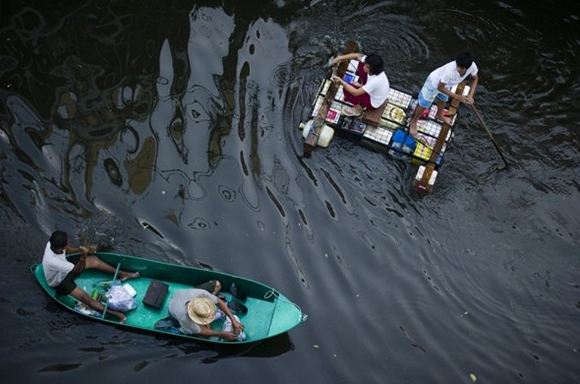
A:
[437,88]
[61,272]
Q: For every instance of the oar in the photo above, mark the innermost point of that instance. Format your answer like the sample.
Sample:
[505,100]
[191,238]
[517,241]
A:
[490,135]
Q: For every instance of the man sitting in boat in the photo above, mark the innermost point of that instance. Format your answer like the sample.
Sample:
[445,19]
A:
[60,273]
[196,308]
[438,85]
[372,89]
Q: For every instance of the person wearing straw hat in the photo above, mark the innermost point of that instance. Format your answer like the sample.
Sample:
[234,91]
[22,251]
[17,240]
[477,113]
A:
[60,272]
[195,309]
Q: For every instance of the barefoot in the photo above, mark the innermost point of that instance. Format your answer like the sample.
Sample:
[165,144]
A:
[421,139]
[444,119]
[128,275]
[353,111]
[217,288]
[119,315]
[415,135]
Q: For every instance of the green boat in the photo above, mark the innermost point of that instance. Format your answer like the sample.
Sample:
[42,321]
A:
[269,313]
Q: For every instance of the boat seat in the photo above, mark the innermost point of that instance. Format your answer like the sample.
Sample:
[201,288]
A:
[373,116]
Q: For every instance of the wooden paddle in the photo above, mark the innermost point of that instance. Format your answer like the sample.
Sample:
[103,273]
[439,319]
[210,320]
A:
[490,135]
[312,138]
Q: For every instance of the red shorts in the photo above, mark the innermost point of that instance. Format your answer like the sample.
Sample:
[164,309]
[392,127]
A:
[363,100]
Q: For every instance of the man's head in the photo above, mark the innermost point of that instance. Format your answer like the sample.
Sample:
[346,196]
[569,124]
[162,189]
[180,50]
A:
[374,64]
[463,62]
[201,310]
[58,241]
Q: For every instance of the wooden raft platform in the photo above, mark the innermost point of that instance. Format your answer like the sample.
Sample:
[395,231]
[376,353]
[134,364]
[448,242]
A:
[377,127]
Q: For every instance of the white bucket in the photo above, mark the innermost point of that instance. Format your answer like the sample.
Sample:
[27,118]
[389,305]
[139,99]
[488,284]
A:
[326,133]
[326,136]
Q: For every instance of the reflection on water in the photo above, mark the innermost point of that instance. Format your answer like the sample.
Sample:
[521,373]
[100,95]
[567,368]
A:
[169,131]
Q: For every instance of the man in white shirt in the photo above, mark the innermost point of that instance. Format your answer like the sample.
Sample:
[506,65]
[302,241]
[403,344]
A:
[438,86]
[373,87]
[60,273]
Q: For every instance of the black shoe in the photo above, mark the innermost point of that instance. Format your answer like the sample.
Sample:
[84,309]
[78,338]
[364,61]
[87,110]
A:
[237,307]
[237,292]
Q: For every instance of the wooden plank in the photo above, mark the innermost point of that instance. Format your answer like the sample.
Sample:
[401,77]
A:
[312,138]
[422,185]
[373,116]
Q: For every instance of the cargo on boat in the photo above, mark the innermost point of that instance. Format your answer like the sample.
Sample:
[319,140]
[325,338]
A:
[385,128]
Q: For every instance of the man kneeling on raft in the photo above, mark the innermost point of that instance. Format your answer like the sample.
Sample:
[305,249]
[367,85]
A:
[372,89]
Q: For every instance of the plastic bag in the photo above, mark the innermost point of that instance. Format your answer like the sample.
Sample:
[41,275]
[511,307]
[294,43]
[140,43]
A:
[228,327]
[119,299]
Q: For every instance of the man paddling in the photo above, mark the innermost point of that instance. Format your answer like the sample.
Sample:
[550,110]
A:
[438,86]
[60,273]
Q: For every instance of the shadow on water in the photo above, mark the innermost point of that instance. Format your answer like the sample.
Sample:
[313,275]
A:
[275,346]
[212,354]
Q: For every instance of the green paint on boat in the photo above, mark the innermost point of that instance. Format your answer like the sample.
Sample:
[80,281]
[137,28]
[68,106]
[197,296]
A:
[269,312]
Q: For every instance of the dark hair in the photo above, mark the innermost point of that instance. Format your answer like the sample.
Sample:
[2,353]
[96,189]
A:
[464,60]
[375,64]
[58,239]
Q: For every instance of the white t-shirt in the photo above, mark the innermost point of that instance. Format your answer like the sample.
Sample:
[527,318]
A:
[448,75]
[178,308]
[55,267]
[377,87]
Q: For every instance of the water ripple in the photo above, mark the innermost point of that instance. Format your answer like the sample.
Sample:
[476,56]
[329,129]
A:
[179,142]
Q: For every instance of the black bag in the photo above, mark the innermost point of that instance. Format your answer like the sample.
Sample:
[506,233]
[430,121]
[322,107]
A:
[156,293]
[237,292]
[237,307]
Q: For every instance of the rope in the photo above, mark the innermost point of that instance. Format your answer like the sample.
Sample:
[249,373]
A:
[271,293]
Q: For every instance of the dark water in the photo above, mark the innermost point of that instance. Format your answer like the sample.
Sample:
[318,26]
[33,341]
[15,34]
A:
[169,130]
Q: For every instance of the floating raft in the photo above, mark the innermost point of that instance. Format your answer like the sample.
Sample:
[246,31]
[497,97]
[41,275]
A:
[385,128]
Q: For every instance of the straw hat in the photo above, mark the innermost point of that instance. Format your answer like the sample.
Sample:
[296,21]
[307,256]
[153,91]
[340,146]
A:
[201,310]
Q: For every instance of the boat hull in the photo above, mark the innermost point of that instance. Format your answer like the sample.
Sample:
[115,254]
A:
[269,312]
